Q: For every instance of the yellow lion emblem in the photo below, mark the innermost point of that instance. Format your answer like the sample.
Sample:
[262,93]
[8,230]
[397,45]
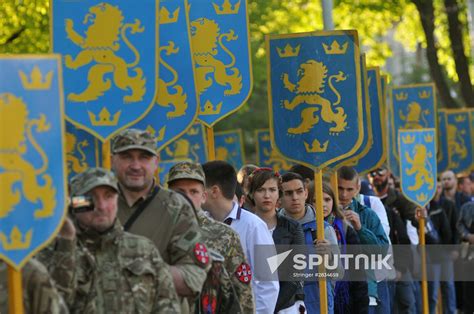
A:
[165,98]
[414,116]
[74,164]
[419,166]
[181,149]
[19,177]
[311,83]
[205,34]
[456,145]
[99,45]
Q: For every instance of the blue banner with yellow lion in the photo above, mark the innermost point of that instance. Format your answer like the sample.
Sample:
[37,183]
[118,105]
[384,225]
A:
[229,146]
[413,107]
[266,155]
[220,43]
[110,61]
[418,169]
[32,165]
[83,150]
[314,96]
[176,104]
[443,154]
[191,145]
[460,146]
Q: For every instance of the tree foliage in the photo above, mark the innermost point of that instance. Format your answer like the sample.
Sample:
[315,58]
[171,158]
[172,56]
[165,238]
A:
[24,26]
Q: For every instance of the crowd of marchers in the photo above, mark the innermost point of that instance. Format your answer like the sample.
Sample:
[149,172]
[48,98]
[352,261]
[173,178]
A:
[187,245]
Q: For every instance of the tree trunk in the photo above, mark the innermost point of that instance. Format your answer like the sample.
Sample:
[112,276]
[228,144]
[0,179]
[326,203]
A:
[426,10]
[457,45]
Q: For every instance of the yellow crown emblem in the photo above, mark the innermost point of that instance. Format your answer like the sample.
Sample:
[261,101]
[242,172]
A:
[166,17]
[424,94]
[316,147]
[265,138]
[428,138]
[409,139]
[36,81]
[227,7]
[422,197]
[460,118]
[17,241]
[193,131]
[209,109]
[288,51]
[401,96]
[161,134]
[104,118]
[335,48]
[229,140]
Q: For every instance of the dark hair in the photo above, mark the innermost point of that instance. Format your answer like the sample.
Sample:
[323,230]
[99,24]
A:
[222,174]
[258,178]
[347,173]
[238,191]
[335,209]
[303,171]
[289,176]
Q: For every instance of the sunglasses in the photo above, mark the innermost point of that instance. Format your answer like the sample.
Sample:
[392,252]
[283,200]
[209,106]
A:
[378,172]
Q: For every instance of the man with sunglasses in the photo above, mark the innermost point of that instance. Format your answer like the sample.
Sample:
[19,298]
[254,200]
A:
[401,213]
[390,197]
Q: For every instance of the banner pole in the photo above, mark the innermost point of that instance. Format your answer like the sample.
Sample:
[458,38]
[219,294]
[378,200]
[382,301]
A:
[318,197]
[210,143]
[15,291]
[424,283]
[106,155]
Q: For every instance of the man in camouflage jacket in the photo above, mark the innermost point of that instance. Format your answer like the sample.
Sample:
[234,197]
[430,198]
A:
[126,273]
[189,179]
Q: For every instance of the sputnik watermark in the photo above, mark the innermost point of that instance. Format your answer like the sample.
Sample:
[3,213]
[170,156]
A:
[333,262]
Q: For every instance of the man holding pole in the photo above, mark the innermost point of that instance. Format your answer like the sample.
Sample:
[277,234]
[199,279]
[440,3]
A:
[293,202]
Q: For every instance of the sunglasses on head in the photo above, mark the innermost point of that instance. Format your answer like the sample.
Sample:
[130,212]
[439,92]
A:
[378,172]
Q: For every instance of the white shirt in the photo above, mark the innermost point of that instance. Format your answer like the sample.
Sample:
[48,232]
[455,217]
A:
[254,231]
[377,206]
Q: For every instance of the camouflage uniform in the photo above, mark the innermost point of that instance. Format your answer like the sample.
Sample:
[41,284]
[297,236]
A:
[219,238]
[74,271]
[130,275]
[39,293]
[168,219]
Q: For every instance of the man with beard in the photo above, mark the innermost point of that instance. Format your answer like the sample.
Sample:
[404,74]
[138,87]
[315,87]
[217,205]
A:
[449,184]
[450,192]
[400,213]
[389,196]
[161,215]
[126,273]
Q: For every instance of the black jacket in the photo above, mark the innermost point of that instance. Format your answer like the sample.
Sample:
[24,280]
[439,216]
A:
[288,231]
[437,213]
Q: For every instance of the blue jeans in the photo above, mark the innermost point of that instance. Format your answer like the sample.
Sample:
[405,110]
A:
[418,297]
[448,292]
[383,300]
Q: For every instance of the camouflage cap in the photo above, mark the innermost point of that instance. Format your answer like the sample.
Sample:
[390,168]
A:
[133,139]
[187,170]
[92,178]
